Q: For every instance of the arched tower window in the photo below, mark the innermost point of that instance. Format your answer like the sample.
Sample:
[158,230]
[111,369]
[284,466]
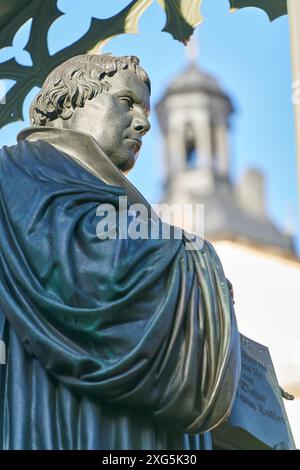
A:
[191,154]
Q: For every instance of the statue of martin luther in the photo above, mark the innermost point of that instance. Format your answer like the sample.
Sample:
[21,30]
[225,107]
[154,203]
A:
[114,343]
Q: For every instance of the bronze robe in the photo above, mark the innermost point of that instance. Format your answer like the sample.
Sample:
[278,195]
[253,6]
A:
[111,344]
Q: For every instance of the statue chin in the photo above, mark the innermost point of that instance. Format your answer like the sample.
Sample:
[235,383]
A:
[127,165]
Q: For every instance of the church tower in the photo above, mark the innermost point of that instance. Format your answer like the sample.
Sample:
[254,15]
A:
[194,118]
[194,115]
[258,257]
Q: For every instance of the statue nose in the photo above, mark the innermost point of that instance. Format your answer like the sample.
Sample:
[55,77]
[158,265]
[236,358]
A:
[141,124]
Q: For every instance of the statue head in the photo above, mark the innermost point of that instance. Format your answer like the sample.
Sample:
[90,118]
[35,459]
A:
[105,96]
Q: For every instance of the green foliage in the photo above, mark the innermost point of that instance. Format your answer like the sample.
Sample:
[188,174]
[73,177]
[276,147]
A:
[182,16]
[273,8]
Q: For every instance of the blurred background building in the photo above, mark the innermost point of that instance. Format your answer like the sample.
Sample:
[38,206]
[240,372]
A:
[258,257]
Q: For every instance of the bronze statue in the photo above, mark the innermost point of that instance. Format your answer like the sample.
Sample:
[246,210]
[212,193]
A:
[113,343]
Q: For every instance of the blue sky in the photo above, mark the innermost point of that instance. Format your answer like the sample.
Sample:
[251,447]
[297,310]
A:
[250,57]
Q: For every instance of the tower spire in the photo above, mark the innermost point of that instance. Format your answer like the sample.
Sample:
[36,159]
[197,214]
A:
[192,49]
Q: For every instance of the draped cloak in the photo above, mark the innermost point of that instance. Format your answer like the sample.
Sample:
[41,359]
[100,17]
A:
[111,344]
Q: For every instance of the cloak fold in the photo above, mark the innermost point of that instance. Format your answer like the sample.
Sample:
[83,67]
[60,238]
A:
[111,344]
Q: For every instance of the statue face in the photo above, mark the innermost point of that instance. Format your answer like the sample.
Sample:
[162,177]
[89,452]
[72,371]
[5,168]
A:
[117,119]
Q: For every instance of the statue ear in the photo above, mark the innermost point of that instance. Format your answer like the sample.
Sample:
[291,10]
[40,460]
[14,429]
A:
[66,113]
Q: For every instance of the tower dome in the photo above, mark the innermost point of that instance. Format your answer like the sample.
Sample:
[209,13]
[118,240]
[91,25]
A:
[192,79]
[193,114]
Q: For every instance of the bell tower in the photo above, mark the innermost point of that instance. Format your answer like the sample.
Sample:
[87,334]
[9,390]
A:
[194,117]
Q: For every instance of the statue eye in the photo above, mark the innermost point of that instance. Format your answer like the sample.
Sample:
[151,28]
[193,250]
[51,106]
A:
[127,100]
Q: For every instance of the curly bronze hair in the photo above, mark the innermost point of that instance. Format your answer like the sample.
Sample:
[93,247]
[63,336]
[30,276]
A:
[76,80]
